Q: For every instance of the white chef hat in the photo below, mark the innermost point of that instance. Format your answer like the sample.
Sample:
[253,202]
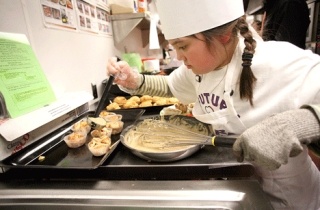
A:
[180,18]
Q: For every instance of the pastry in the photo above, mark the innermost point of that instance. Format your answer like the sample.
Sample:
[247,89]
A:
[146,103]
[130,104]
[135,99]
[116,126]
[106,131]
[96,133]
[121,100]
[104,113]
[155,98]
[172,100]
[113,106]
[81,125]
[160,102]
[115,117]
[145,98]
[99,146]
[182,107]
[75,139]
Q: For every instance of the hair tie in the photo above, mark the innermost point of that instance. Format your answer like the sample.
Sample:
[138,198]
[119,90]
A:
[246,64]
[247,56]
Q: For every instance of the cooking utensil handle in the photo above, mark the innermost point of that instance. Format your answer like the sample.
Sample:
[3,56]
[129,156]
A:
[104,96]
[223,141]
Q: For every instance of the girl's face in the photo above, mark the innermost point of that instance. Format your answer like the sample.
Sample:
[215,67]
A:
[196,55]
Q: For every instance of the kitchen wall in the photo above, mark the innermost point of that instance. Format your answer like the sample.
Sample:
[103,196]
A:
[71,59]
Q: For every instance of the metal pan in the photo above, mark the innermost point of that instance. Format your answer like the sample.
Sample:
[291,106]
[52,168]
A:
[58,155]
[148,109]
[171,155]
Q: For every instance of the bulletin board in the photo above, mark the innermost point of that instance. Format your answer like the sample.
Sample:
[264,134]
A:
[91,16]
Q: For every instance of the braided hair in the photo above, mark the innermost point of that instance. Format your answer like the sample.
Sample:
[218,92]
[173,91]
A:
[247,78]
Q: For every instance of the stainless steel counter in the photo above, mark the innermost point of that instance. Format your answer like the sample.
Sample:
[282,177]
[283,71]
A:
[209,179]
[78,194]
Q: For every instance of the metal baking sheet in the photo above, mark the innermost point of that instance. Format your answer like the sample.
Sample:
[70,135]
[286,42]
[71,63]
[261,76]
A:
[148,109]
[58,155]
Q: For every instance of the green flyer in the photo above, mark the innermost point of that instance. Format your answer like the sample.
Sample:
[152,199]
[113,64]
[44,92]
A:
[22,81]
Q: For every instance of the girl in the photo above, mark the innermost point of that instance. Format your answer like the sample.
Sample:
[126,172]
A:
[236,80]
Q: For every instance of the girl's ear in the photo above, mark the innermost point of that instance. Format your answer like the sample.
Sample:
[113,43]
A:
[225,38]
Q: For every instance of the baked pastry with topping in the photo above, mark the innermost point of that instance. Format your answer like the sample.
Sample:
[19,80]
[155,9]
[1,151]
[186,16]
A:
[81,125]
[99,146]
[115,117]
[76,139]
[116,126]
[106,131]
[104,113]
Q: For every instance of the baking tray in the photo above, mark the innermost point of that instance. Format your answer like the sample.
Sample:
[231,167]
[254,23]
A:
[148,109]
[58,155]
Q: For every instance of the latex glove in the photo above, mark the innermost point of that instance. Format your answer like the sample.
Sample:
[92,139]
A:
[125,76]
[271,142]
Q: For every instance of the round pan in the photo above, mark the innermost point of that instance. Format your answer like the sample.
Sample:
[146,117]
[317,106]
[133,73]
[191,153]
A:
[165,156]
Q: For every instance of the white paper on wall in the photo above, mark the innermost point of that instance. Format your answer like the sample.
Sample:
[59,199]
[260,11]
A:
[93,17]
[81,15]
[59,14]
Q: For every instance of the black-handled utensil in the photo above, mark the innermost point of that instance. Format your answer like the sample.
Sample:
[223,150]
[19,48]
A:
[222,141]
[105,94]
